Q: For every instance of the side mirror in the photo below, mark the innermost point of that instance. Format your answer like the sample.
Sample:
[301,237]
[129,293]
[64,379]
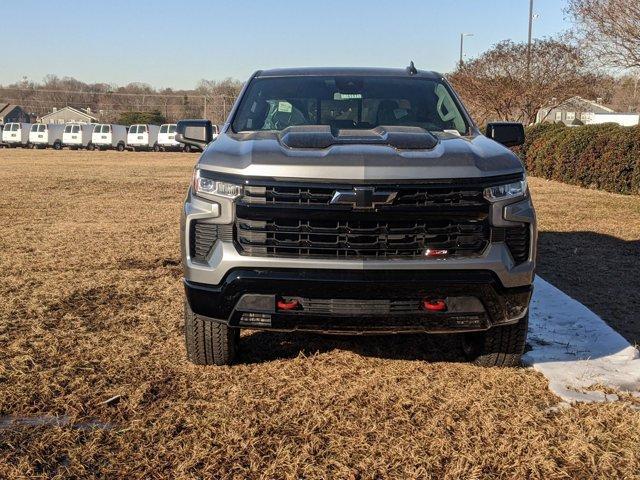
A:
[197,133]
[509,134]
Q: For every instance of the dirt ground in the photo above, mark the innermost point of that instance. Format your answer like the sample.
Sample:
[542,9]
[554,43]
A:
[94,380]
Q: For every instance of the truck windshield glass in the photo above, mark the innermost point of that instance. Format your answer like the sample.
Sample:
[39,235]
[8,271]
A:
[348,103]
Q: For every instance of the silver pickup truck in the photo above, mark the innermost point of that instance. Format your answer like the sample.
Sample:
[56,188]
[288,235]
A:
[356,201]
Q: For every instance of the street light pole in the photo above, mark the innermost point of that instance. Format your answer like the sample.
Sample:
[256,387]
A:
[529,40]
[462,35]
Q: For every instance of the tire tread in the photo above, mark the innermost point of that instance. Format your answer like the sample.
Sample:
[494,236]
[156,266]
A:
[209,342]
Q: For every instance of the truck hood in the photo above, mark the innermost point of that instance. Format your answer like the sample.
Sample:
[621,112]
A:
[262,154]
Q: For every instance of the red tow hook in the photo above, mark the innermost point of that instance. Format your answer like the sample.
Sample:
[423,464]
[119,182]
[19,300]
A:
[434,305]
[291,304]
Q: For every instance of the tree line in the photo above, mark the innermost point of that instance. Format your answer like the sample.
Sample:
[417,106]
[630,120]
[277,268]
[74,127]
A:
[132,103]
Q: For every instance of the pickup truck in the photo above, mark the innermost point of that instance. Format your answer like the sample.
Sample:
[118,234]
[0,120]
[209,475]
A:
[356,201]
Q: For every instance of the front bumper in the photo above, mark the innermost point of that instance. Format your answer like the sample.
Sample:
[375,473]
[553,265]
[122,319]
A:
[348,301]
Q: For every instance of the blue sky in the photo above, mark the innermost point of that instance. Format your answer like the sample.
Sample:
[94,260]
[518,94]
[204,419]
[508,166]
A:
[176,43]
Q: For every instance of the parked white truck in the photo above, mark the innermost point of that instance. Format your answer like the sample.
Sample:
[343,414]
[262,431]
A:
[107,136]
[142,137]
[43,135]
[16,134]
[77,135]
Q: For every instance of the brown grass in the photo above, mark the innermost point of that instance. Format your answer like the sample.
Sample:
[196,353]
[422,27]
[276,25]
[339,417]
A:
[91,310]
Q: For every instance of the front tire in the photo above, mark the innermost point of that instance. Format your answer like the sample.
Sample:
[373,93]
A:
[209,342]
[120,147]
[501,346]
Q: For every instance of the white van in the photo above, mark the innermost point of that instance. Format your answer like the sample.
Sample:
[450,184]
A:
[167,138]
[142,137]
[16,134]
[107,136]
[77,135]
[43,135]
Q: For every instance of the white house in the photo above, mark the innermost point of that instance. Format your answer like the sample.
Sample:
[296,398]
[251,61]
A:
[69,115]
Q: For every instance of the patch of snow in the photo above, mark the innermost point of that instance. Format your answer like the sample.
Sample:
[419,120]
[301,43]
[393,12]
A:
[576,350]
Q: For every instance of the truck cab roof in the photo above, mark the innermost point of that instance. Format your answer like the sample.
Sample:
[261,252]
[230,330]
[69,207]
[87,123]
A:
[342,71]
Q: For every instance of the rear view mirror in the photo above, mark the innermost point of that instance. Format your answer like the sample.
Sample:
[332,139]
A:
[194,132]
[509,134]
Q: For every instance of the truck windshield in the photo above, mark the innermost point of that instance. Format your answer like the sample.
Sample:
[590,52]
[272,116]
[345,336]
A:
[343,102]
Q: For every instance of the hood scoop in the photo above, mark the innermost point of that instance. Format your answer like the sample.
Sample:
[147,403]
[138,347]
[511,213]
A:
[322,136]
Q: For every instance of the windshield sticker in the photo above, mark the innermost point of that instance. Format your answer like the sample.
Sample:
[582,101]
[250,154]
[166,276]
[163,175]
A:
[284,107]
[346,96]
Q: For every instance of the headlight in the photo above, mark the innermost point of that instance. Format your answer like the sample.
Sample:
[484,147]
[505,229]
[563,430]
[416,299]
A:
[504,192]
[206,187]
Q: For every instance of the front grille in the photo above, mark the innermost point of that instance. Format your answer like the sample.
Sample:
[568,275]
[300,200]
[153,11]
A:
[360,238]
[296,219]
[203,235]
[517,239]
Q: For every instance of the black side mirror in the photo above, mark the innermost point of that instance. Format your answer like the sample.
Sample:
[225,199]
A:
[194,132]
[509,134]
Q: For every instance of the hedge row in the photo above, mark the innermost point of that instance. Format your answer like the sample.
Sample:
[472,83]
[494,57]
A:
[594,156]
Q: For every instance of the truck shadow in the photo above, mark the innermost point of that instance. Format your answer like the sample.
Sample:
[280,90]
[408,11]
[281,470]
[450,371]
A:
[258,346]
[600,271]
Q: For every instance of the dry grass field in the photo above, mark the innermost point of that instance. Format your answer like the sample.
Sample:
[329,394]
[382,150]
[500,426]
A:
[94,380]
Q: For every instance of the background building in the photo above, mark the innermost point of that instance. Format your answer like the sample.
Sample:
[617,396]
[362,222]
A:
[13,113]
[69,114]
[571,110]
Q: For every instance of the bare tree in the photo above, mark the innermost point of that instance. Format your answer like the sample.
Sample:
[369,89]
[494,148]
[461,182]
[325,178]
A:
[498,85]
[610,30]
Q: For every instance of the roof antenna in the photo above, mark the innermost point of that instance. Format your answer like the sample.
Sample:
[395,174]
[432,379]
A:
[411,69]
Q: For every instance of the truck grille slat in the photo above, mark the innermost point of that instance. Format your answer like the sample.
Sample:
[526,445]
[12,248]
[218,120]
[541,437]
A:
[361,239]
[424,196]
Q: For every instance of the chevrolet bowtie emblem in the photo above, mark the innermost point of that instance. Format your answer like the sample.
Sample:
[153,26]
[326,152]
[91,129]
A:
[363,198]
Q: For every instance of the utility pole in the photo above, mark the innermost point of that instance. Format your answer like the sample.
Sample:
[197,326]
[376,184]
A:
[529,41]
[462,35]
[204,113]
